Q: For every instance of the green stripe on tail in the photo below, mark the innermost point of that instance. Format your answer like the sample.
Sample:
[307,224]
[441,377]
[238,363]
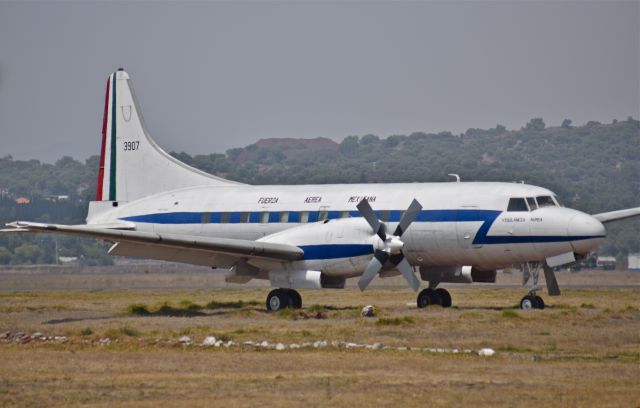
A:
[112,166]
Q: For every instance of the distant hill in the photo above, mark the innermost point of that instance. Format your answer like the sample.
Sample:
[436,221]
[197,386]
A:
[594,168]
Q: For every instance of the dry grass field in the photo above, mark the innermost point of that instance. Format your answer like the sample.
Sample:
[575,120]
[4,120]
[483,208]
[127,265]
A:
[582,350]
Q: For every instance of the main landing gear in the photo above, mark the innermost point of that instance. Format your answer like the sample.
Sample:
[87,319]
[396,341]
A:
[532,301]
[432,296]
[283,298]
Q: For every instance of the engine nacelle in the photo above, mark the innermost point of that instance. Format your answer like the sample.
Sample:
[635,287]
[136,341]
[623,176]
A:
[340,247]
[478,275]
[305,280]
[296,279]
[456,274]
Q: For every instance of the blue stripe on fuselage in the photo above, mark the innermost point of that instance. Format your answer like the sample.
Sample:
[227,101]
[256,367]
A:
[335,251]
[295,216]
[487,217]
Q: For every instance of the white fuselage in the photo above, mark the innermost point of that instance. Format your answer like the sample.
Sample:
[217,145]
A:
[460,223]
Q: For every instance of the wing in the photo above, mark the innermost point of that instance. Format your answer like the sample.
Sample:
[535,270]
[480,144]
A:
[617,215]
[209,251]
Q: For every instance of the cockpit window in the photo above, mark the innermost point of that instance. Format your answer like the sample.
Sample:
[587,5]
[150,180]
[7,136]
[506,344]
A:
[545,201]
[558,203]
[532,203]
[517,204]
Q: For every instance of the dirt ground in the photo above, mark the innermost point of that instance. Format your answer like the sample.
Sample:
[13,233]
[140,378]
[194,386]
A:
[133,337]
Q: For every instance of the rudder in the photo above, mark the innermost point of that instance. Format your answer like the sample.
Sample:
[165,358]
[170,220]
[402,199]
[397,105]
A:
[132,165]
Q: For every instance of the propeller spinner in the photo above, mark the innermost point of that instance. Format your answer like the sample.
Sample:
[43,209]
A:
[391,248]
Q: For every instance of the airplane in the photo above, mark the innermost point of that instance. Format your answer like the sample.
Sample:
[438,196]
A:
[151,205]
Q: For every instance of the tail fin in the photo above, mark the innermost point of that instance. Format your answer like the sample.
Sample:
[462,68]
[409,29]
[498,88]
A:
[132,165]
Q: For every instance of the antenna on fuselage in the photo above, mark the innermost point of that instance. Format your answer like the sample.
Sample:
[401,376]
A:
[456,176]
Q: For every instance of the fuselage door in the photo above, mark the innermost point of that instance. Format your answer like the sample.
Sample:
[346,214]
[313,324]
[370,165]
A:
[467,223]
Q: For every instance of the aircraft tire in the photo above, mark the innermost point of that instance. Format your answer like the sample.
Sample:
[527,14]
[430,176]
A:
[278,299]
[428,297]
[529,302]
[296,299]
[540,302]
[445,297]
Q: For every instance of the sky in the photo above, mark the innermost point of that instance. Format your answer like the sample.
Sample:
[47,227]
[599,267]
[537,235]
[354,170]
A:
[216,75]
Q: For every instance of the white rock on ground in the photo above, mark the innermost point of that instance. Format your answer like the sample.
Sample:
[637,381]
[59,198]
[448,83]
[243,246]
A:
[185,340]
[280,347]
[486,352]
[368,311]
[209,341]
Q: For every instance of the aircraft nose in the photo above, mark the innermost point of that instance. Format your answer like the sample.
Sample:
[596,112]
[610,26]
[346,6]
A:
[586,232]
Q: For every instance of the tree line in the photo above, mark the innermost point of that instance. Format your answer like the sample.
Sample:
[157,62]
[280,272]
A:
[594,168]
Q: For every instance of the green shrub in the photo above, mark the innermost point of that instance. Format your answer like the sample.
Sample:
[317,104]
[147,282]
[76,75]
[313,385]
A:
[86,331]
[317,308]
[138,309]
[130,332]
[509,313]
[395,321]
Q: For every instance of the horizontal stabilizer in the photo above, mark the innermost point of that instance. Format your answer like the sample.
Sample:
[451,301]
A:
[617,215]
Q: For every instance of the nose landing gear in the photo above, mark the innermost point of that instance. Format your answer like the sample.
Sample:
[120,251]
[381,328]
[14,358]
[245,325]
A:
[531,300]
[282,298]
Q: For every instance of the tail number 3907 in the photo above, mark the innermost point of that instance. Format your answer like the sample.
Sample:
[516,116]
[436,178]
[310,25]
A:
[133,145]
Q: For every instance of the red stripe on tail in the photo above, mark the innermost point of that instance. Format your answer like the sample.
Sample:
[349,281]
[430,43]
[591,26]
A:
[104,141]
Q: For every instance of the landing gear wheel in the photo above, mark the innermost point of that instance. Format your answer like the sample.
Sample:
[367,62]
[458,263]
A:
[429,297]
[529,302]
[445,296]
[278,299]
[540,302]
[296,299]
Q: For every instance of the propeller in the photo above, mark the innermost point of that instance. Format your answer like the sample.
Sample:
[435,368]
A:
[391,246]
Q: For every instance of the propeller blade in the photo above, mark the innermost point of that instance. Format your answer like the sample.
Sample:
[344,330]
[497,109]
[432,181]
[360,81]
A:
[379,258]
[404,267]
[552,284]
[408,217]
[367,212]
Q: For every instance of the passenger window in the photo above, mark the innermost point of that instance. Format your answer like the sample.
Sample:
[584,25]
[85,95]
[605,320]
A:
[244,217]
[225,217]
[294,216]
[517,204]
[304,217]
[264,217]
[323,215]
[206,218]
[545,201]
[274,216]
[344,214]
[284,216]
[384,216]
[532,203]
